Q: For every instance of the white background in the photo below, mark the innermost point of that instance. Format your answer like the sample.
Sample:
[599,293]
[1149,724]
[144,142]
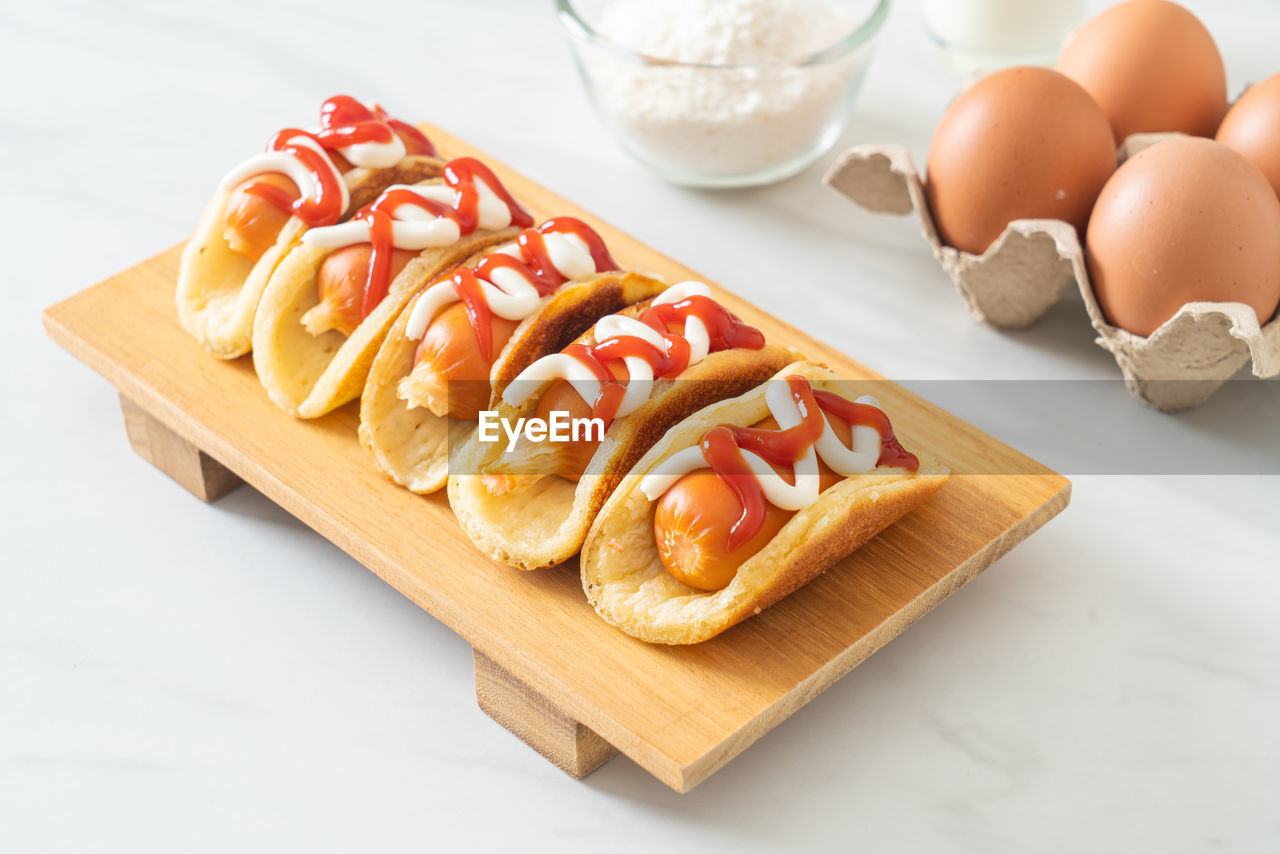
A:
[175,676]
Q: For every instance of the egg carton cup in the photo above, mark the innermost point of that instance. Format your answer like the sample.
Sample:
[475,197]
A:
[1033,262]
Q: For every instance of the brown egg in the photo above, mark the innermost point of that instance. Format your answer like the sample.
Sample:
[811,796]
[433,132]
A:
[1252,127]
[1185,220]
[1023,143]
[1152,67]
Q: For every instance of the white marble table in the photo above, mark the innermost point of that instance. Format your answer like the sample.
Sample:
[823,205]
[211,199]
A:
[181,677]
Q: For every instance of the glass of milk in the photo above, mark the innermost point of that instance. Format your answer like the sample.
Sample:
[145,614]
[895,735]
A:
[985,35]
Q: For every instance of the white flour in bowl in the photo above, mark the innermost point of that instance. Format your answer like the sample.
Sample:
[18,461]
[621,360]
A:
[723,121]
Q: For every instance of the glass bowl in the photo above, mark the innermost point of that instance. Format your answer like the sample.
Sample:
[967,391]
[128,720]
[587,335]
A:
[723,125]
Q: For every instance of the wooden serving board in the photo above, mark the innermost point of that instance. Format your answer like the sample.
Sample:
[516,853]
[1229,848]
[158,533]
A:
[547,667]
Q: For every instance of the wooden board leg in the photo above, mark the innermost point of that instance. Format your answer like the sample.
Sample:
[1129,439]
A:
[202,475]
[569,745]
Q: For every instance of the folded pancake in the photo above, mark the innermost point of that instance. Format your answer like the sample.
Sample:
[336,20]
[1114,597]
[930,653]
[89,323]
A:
[552,284]
[637,541]
[330,303]
[265,205]
[669,357]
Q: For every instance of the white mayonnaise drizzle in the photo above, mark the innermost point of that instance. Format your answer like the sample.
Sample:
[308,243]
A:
[862,457]
[509,295]
[413,227]
[291,167]
[376,155]
[562,366]
[367,155]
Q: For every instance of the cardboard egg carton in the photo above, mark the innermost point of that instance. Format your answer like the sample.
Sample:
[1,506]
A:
[1034,261]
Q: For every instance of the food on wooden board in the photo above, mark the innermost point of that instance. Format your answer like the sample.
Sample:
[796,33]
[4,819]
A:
[460,341]
[354,262]
[638,372]
[745,501]
[330,302]
[304,179]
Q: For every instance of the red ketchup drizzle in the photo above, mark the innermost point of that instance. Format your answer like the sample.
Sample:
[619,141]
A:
[864,415]
[537,269]
[722,448]
[344,121]
[725,330]
[461,175]
[415,141]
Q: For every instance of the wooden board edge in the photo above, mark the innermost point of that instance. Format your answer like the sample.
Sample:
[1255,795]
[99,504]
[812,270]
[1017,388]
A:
[700,769]
[225,453]
[139,394]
